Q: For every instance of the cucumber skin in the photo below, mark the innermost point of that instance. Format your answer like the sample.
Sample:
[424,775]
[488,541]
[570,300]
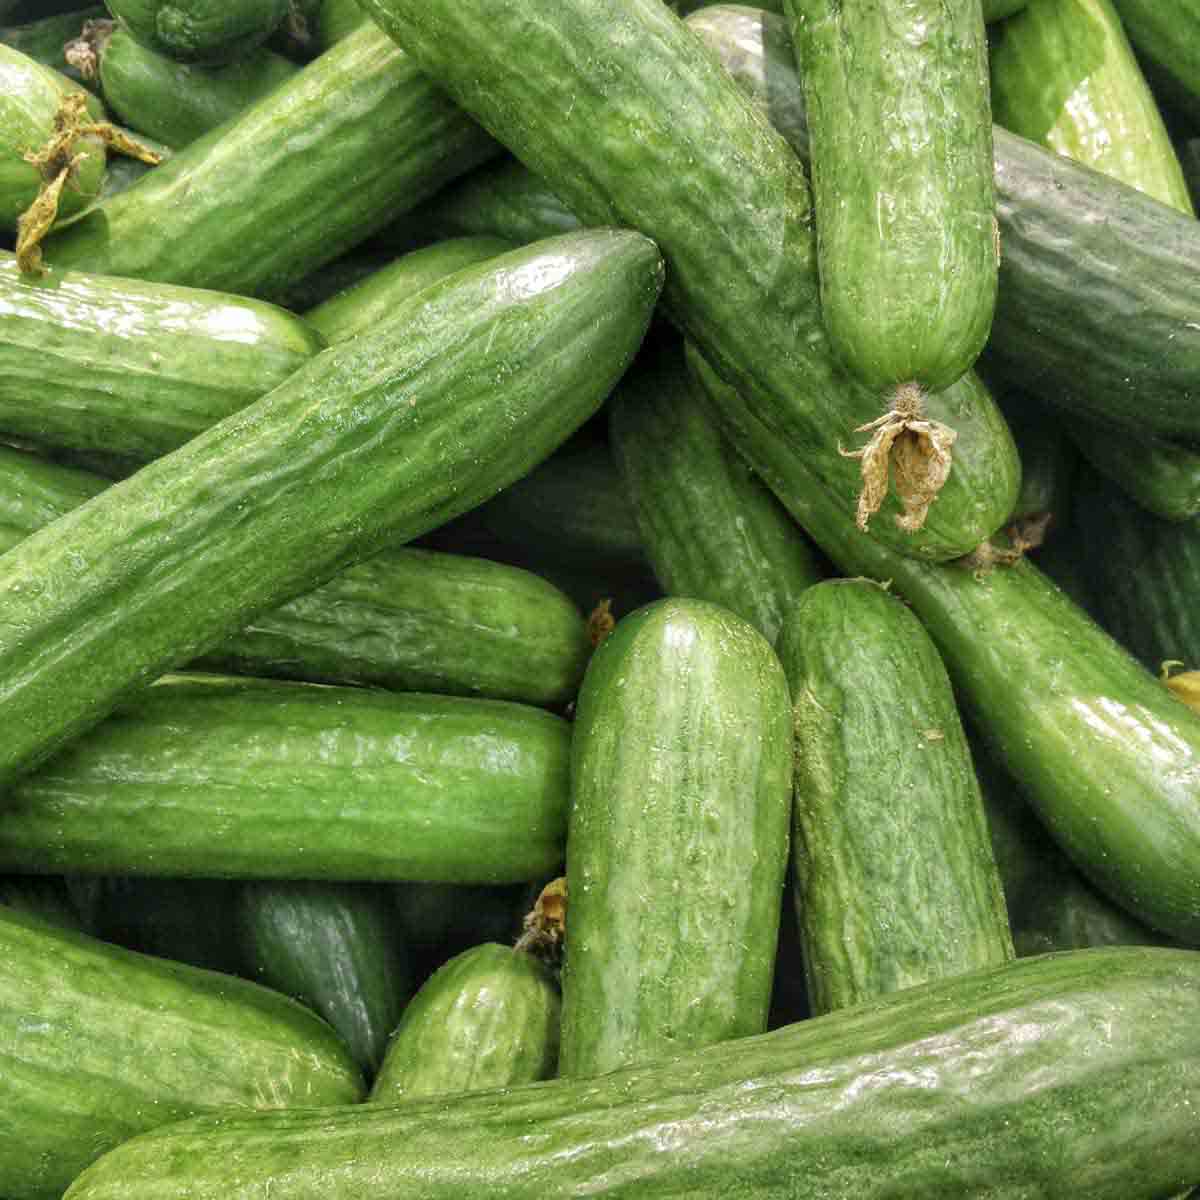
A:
[1167,34]
[91,362]
[1025,1060]
[289,781]
[203,31]
[241,210]
[677,840]
[1107,756]
[488,1018]
[101,1044]
[732,286]
[34,492]
[325,470]
[895,880]
[901,160]
[1162,477]
[710,527]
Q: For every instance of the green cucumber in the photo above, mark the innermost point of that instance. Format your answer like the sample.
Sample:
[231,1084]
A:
[1047,459]
[92,362]
[677,844]
[366,303]
[336,20]
[325,282]
[711,529]
[334,947]
[901,161]
[1166,34]
[241,210]
[1001,1081]
[631,120]
[997,10]
[895,880]
[297,781]
[376,441]
[488,1018]
[1064,76]
[179,102]
[34,492]
[1162,477]
[101,1044]
[1106,755]
[44,40]
[204,31]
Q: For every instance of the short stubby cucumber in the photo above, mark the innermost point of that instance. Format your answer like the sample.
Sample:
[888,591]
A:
[680,795]
[207,31]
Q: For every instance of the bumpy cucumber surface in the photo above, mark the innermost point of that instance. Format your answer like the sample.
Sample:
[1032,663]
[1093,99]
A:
[1011,1074]
[101,1044]
[208,31]
[680,773]
[485,373]
[294,781]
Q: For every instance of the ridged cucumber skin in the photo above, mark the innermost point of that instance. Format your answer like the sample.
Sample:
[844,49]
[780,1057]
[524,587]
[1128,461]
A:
[710,527]
[1002,1075]
[296,781]
[895,880]
[1064,76]
[178,102]
[677,840]
[43,40]
[901,162]
[364,304]
[203,31]
[101,1044]
[684,156]
[244,209]
[1107,756]
[375,441]
[335,948]
[30,95]
[93,362]
[488,1018]
[1166,34]
[34,492]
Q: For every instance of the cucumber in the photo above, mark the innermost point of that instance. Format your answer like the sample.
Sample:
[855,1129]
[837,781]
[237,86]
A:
[45,39]
[1106,755]
[240,210]
[336,20]
[488,1018]
[677,842]
[1161,477]
[205,31]
[334,947]
[901,161]
[1047,459]
[997,10]
[93,362]
[179,102]
[712,530]
[482,376]
[325,282]
[1064,76]
[1166,34]
[1011,1074]
[440,920]
[895,880]
[101,1044]
[34,492]
[294,781]
[371,300]
[683,157]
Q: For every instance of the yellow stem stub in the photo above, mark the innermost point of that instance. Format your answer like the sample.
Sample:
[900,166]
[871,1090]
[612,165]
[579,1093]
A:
[600,622]
[546,923]
[1185,685]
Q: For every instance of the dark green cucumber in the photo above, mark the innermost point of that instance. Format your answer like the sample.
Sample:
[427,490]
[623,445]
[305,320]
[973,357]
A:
[1162,477]
[205,31]
[710,527]
[1047,459]
[43,896]
[34,492]
[488,1018]
[901,161]
[999,1082]
[336,20]
[100,1044]
[444,919]
[93,362]
[1064,76]
[244,210]
[179,102]
[680,771]
[997,10]
[324,283]
[1106,755]
[334,947]
[1166,34]
[895,880]
[371,300]
[376,441]
[45,39]
[251,779]
[683,156]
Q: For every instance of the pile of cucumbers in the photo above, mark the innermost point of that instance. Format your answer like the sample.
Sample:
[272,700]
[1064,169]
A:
[598,598]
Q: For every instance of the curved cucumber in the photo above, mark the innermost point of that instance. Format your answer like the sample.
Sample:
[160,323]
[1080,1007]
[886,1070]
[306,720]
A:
[100,1044]
[901,158]
[293,781]
[680,768]
[208,31]
[896,883]
[1005,1074]
[488,1018]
